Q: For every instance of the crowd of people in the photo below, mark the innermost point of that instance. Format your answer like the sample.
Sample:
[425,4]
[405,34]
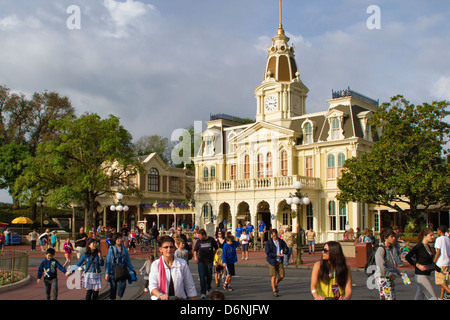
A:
[167,274]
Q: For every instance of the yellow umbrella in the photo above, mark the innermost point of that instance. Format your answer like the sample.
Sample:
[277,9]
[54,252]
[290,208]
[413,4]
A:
[22,220]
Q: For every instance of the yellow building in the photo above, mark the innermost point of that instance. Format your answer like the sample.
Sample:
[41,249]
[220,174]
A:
[245,172]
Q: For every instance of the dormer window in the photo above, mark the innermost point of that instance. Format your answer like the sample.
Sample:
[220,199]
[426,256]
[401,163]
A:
[308,133]
[209,150]
[335,129]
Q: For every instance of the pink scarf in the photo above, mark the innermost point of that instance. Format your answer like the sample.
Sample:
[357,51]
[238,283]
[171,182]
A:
[162,277]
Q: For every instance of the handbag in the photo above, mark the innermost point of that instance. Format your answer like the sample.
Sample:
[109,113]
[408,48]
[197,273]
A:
[120,272]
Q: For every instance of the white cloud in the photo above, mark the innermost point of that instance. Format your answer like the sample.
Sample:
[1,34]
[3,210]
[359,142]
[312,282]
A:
[441,88]
[9,22]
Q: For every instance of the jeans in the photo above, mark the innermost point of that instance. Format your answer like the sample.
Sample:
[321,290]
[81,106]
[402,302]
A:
[205,274]
[51,285]
[287,256]
[114,285]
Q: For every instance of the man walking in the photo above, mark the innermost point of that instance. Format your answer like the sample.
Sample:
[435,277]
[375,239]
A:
[275,250]
[442,260]
[80,243]
[204,250]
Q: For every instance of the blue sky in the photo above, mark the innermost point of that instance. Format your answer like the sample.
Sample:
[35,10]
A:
[160,65]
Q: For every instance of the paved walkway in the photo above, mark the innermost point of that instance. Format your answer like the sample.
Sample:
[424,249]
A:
[30,290]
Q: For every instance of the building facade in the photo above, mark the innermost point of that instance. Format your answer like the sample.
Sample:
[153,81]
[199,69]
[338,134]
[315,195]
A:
[162,198]
[245,172]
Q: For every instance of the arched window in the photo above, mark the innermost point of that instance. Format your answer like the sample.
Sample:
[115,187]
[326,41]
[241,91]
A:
[284,163]
[153,180]
[260,164]
[205,174]
[341,160]
[331,167]
[213,173]
[246,167]
[308,133]
[269,170]
[342,217]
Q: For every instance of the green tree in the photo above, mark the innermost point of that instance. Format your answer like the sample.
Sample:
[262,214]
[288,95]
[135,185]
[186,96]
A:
[154,143]
[88,156]
[12,162]
[407,165]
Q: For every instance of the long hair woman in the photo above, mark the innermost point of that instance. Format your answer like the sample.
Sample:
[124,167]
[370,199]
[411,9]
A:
[331,277]
[421,256]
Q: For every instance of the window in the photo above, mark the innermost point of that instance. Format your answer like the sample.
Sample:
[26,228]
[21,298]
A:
[335,129]
[205,174]
[260,164]
[174,184]
[233,172]
[213,173]
[207,213]
[284,163]
[332,215]
[247,167]
[309,216]
[308,133]
[342,217]
[341,160]
[269,171]
[153,180]
[309,166]
[209,145]
[331,167]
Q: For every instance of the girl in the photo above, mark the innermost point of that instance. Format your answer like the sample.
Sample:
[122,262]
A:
[331,277]
[92,278]
[147,266]
[68,249]
[423,262]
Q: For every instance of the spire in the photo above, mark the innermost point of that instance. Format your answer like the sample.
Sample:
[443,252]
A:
[280,31]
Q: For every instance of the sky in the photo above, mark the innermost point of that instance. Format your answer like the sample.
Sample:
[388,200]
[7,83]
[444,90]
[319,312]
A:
[160,65]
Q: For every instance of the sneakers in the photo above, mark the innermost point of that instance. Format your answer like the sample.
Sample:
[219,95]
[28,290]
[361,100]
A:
[203,297]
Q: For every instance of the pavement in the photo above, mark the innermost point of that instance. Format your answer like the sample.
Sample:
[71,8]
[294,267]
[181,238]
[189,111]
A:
[29,289]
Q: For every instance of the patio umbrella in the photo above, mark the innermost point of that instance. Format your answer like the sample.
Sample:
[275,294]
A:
[22,220]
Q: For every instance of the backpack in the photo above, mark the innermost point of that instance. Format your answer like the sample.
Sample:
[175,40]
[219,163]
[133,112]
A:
[371,261]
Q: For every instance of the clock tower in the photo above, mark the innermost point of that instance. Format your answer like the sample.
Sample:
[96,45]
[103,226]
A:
[282,94]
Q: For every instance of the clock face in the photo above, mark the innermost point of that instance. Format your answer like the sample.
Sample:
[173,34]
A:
[271,103]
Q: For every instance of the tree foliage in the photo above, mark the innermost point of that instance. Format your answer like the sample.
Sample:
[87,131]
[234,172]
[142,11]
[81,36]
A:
[408,165]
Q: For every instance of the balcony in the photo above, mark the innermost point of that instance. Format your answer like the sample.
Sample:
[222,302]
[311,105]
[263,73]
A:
[256,184]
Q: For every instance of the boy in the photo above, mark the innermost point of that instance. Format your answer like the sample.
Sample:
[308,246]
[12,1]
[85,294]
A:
[218,268]
[48,268]
[229,258]
[181,252]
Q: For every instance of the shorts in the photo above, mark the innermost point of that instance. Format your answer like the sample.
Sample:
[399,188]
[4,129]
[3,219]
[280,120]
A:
[245,247]
[218,268]
[230,270]
[386,289]
[277,269]
[440,278]
[311,243]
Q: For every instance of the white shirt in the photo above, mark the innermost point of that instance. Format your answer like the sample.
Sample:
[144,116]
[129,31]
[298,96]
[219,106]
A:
[245,238]
[443,243]
[181,277]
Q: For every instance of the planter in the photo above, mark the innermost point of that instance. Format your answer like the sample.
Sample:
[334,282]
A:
[348,248]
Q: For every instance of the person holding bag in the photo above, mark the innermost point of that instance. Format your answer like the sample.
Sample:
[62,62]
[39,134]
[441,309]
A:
[117,266]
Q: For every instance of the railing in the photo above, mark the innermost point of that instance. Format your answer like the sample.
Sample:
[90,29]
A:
[257,184]
[13,266]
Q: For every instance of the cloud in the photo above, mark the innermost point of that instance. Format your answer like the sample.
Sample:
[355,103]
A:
[9,22]
[441,88]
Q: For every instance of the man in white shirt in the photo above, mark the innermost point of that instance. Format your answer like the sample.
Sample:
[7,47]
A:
[442,260]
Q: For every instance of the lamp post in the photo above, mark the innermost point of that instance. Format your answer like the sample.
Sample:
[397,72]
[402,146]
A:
[119,207]
[40,203]
[298,199]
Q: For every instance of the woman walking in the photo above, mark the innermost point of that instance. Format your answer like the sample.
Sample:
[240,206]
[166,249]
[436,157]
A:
[421,256]
[117,265]
[331,278]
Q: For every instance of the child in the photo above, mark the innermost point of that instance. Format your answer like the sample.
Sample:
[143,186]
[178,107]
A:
[148,266]
[53,239]
[229,258]
[245,239]
[218,267]
[217,295]
[68,249]
[48,268]
[181,252]
[92,277]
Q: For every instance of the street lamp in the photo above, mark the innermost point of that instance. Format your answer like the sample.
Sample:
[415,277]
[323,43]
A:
[40,203]
[298,199]
[119,207]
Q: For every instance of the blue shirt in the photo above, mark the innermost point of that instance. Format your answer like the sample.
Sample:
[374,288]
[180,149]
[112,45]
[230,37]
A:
[229,255]
[250,228]
[239,231]
[261,227]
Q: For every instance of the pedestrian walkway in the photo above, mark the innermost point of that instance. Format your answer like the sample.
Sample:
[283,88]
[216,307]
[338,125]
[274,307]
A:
[30,290]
